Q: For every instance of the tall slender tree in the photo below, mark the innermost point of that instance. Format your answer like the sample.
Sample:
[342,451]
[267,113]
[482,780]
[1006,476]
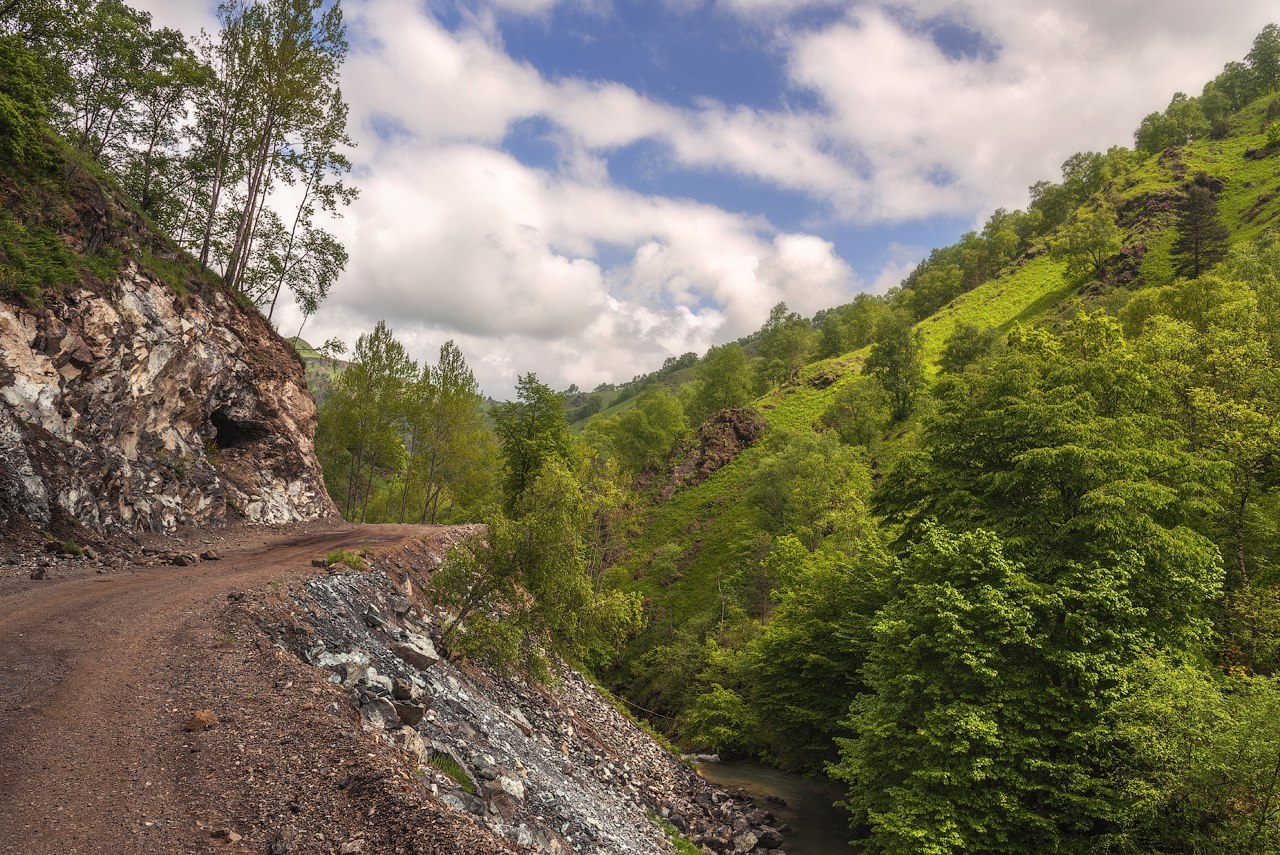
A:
[1202,236]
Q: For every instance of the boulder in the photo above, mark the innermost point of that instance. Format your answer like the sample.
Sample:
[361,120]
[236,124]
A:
[417,650]
[381,714]
[769,837]
[410,714]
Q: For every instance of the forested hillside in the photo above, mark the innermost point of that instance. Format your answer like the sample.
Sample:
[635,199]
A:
[995,550]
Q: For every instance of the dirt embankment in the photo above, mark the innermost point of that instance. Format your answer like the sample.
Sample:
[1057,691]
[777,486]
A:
[101,673]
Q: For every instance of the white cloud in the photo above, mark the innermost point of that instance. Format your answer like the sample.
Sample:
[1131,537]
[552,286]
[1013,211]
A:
[465,241]
[562,271]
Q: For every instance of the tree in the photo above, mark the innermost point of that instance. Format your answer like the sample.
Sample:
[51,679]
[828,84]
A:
[361,419]
[1088,241]
[895,362]
[521,591]
[644,436]
[1180,123]
[785,342]
[804,668]
[532,431]
[293,49]
[967,344]
[725,380]
[151,165]
[1202,236]
[446,435]
[859,412]
[804,480]
[1264,59]
[988,724]
[23,96]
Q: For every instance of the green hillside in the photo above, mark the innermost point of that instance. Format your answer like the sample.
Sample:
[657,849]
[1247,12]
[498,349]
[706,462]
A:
[708,537]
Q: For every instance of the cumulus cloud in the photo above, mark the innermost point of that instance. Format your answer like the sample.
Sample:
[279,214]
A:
[465,241]
[560,269]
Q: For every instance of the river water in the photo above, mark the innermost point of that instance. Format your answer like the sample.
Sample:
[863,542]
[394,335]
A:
[820,828]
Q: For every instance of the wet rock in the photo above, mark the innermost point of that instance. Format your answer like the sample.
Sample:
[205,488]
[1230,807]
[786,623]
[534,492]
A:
[769,837]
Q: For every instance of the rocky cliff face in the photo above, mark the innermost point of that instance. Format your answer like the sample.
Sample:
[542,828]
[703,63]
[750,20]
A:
[130,406]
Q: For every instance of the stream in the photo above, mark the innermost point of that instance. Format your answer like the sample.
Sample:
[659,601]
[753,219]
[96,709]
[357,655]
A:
[820,828]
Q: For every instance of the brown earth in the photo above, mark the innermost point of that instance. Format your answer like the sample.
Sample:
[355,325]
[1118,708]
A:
[102,673]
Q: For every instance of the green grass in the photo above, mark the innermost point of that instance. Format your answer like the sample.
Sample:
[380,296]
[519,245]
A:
[682,843]
[1021,296]
[345,556]
[450,767]
[33,259]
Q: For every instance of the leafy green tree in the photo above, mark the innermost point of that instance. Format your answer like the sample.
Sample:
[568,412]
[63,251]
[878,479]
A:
[531,431]
[805,665]
[804,481]
[1203,759]
[1202,236]
[721,721]
[849,327]
[1264,59]
[724,378]
[784,344]
[1088,241]
[23,99]
[448,448]
[361,420]
[966,345]
[858,412]
[895,362]
[1180,123]
[644,436]
[987,725]
[293,50]
[521,592]
[151,166]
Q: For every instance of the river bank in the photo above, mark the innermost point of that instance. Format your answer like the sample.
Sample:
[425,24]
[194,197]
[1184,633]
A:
[819,827]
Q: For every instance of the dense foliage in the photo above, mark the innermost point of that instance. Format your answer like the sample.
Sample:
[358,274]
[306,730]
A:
[202,133]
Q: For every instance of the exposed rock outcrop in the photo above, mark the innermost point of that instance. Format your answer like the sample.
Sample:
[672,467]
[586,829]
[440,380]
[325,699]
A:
[129,406]
[718,440]
[555,769]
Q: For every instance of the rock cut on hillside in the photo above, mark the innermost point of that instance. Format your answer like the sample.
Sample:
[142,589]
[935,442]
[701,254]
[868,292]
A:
[131,403]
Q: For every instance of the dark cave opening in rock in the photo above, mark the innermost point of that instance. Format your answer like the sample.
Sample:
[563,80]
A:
[229,433]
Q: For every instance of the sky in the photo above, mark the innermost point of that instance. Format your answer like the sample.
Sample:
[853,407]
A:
[582,188]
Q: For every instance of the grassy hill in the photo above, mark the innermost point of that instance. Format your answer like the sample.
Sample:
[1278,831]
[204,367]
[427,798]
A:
[689,544]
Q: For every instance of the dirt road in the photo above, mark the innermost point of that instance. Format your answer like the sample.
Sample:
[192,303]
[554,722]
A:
[92,750]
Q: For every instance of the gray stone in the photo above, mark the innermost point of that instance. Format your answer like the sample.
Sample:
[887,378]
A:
[410,714]
[380,713]
[769,838]
[417,650]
